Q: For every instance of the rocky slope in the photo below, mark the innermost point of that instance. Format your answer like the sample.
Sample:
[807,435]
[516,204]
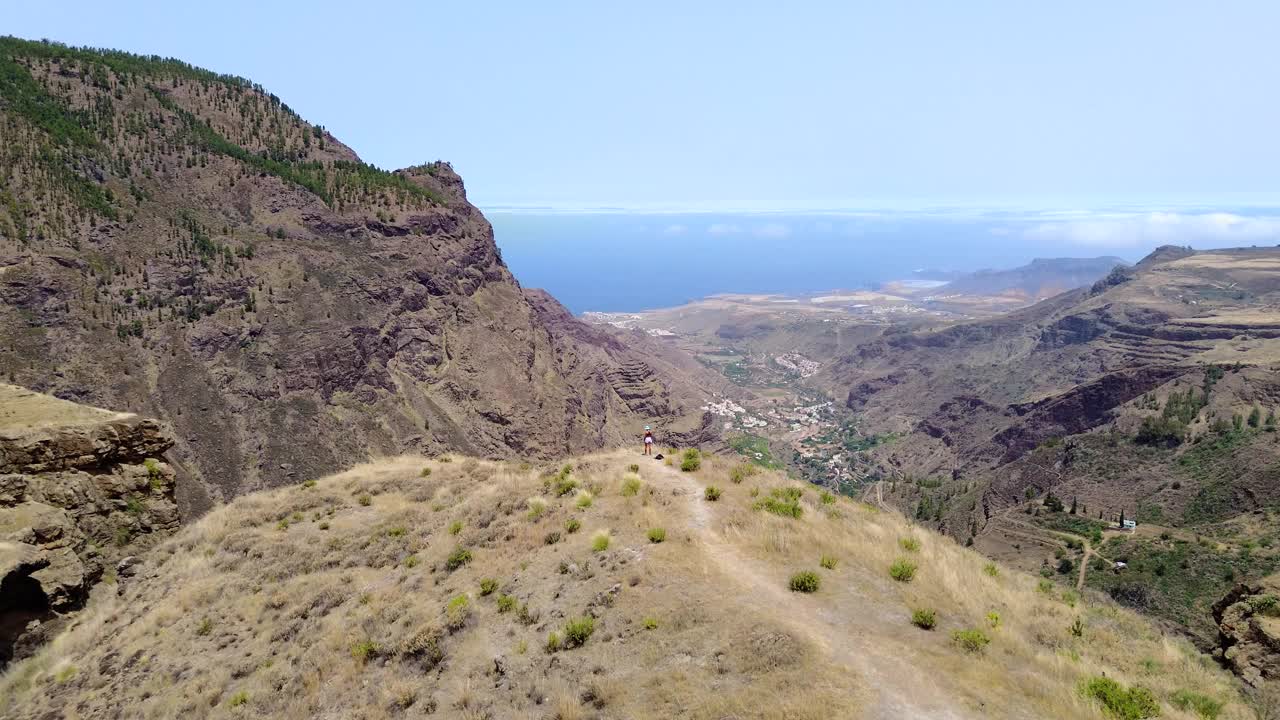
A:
[1151,394]
[183,245]
[80,490]
[613,587]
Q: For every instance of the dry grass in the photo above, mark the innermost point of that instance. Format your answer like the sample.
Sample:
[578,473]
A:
[699,626]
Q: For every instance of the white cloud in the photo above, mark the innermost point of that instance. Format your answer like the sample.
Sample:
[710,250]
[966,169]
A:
[772,230]
[1161,228]
[674,230]
[723,229]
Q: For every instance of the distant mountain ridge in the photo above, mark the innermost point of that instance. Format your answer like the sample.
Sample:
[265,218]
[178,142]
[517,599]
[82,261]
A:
[1040,278]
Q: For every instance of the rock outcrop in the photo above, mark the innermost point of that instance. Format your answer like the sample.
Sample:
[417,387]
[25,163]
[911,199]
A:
[79,488]
[1249,630]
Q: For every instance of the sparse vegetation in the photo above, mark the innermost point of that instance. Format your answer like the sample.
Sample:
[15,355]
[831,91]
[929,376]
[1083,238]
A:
[1202,705]
[828,562]
[657,535]
[783,501]
[902,570]
[1123,703]
[584,500]
[600,541]
[630,485]
[805,582]
[924,618]
[576,632]
[691,460]
[991,570]
[572,525]
[711,493]
[909,544]
[459,557]
[971,640]
[506,603]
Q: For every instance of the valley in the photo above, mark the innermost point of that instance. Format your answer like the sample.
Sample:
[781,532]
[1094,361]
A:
[282,435]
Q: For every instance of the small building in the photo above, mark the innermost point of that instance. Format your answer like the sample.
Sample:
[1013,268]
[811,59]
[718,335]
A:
[1118,566]
[1129,525]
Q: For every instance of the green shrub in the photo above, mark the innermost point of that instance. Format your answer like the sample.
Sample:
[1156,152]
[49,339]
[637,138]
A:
[572,525]
[657,535]
[305,483]
[993,619]
[741,472]
[411,561]
[600,541]
[457,611]
[397,531]
[826,498]
[553,642]
[1202,705]
[506,603]
[238,699]
[1265,605]
[971,640]
[633,468]
[991,569]
[537,506]
[488,586]
[1076,628]
[924,618]
[365,500]
[909,544]
[630,485]
[1126,704]
[650,623]
[455,527]
[1045,586]
[205,627]
[711,492]
[584,500]
[1070,597]
[902,570]
[691,461]
[577,631]
[782,501]
[426,472]
[551,538]
[459,557]
[805,582]
[828,562]
[364,650]
[565,485]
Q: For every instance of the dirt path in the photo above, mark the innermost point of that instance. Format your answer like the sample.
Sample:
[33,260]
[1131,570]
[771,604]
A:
[852,638]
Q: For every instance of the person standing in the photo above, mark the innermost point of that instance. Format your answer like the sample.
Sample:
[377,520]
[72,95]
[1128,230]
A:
[648,441]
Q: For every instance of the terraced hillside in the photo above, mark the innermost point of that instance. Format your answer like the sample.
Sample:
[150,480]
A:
[614,586]
[182,244]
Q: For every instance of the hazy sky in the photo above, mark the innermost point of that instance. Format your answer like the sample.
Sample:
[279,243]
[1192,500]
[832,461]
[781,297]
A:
[756,105]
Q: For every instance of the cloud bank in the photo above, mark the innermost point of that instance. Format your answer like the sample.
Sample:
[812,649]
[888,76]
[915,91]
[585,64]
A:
[1160,228]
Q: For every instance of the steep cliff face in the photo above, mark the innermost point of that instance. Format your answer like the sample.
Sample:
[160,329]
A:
[182,245]
[80,488]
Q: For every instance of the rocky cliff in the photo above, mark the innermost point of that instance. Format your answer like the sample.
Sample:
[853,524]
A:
[183,245]
[1249,630]
[80,489]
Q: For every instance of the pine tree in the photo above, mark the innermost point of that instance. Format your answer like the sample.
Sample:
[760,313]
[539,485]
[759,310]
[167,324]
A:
[1073,506]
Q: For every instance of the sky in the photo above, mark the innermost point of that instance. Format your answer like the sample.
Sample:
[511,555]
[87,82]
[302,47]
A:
[758,105]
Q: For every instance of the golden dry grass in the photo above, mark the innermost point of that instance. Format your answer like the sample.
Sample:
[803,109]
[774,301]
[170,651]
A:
[301,602]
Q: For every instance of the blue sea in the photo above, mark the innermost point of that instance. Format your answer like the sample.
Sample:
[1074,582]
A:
[618,260]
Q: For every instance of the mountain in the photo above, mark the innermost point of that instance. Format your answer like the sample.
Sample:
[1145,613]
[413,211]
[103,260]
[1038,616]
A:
[1041,278]
[613,587]
[183,245]
[1150,395]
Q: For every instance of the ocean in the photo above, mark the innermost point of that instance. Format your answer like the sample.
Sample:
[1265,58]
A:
[618,260]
